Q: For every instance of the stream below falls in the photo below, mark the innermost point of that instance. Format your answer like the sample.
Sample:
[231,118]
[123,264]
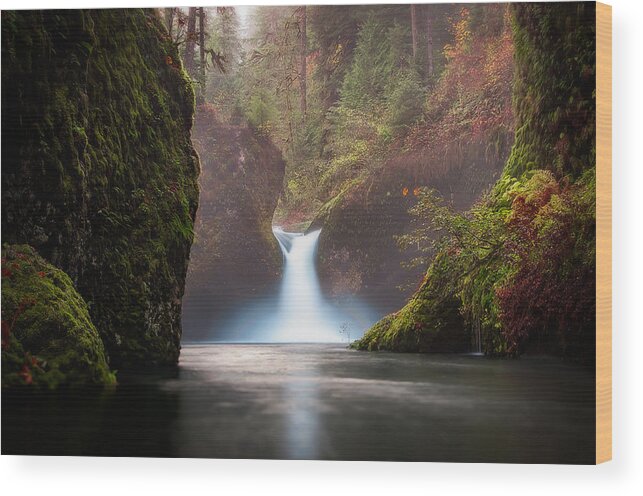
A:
[320,401]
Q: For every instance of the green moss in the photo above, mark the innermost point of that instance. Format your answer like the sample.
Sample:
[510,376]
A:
[554,88]
[99,173]
[429,322]
[48,337]
[334,204]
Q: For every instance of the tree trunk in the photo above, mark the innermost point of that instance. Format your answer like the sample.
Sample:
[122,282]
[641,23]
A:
[201,93]
[169,20]
[190,42]
[414,31]
[429,44]
[303,43]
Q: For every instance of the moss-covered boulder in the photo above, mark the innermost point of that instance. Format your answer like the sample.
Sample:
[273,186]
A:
[99,173]
[48,338]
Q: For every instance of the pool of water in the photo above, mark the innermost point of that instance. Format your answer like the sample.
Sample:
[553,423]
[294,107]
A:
[313,401]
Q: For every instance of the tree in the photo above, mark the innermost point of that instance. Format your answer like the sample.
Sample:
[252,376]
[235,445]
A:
[202,61]
[302,56]
[175,21]
[224,59]
[169,18]
[429,43]
[190,42]
[414,31]
[371,70]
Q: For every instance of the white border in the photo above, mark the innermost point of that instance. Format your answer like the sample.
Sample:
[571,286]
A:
[52,476]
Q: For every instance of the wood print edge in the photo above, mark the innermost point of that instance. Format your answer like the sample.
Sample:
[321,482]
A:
[604,232]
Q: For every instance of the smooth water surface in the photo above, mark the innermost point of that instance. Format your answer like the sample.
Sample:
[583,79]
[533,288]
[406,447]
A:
[307,401]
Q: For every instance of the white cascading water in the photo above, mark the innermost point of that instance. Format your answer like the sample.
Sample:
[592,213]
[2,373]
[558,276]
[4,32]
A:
[302,314]
[299,312]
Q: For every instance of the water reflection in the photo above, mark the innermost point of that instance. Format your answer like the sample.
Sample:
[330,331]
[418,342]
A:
[302,422]
[324,402]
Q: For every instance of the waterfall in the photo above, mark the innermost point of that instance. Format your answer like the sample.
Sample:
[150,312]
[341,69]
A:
[302,313]
[296,311]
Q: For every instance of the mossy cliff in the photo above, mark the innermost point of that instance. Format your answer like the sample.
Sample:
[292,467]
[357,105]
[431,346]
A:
[235,254]
[99,173]
[48,338]
[522,275]
[554,88]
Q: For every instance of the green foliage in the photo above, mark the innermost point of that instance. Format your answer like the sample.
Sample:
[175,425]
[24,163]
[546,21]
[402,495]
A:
[262,111]
[48,338]
[334,29]
[405,101]
[535,243]
[372,68]
[521,263]
[554,227]
[468,265]
[224,89]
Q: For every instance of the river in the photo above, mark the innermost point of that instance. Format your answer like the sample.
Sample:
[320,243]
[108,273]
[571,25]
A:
[316,401]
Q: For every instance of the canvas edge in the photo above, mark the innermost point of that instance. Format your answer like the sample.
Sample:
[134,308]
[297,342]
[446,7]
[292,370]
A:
[604,232]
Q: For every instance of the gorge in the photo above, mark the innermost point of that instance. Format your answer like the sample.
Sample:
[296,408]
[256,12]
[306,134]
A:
[310,235]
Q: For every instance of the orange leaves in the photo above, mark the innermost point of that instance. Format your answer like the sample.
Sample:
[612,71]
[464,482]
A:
[168,60]
[30,364]
[416,191]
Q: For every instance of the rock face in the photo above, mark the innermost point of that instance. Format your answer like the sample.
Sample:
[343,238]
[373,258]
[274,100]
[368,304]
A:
[235,254]
[358,252]
[430,321]
[99,173]
[48,338]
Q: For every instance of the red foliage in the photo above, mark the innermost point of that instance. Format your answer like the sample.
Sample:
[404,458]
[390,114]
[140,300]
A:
[469,112]
[472,99]
[7,326]
[550,300]
[25,374]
